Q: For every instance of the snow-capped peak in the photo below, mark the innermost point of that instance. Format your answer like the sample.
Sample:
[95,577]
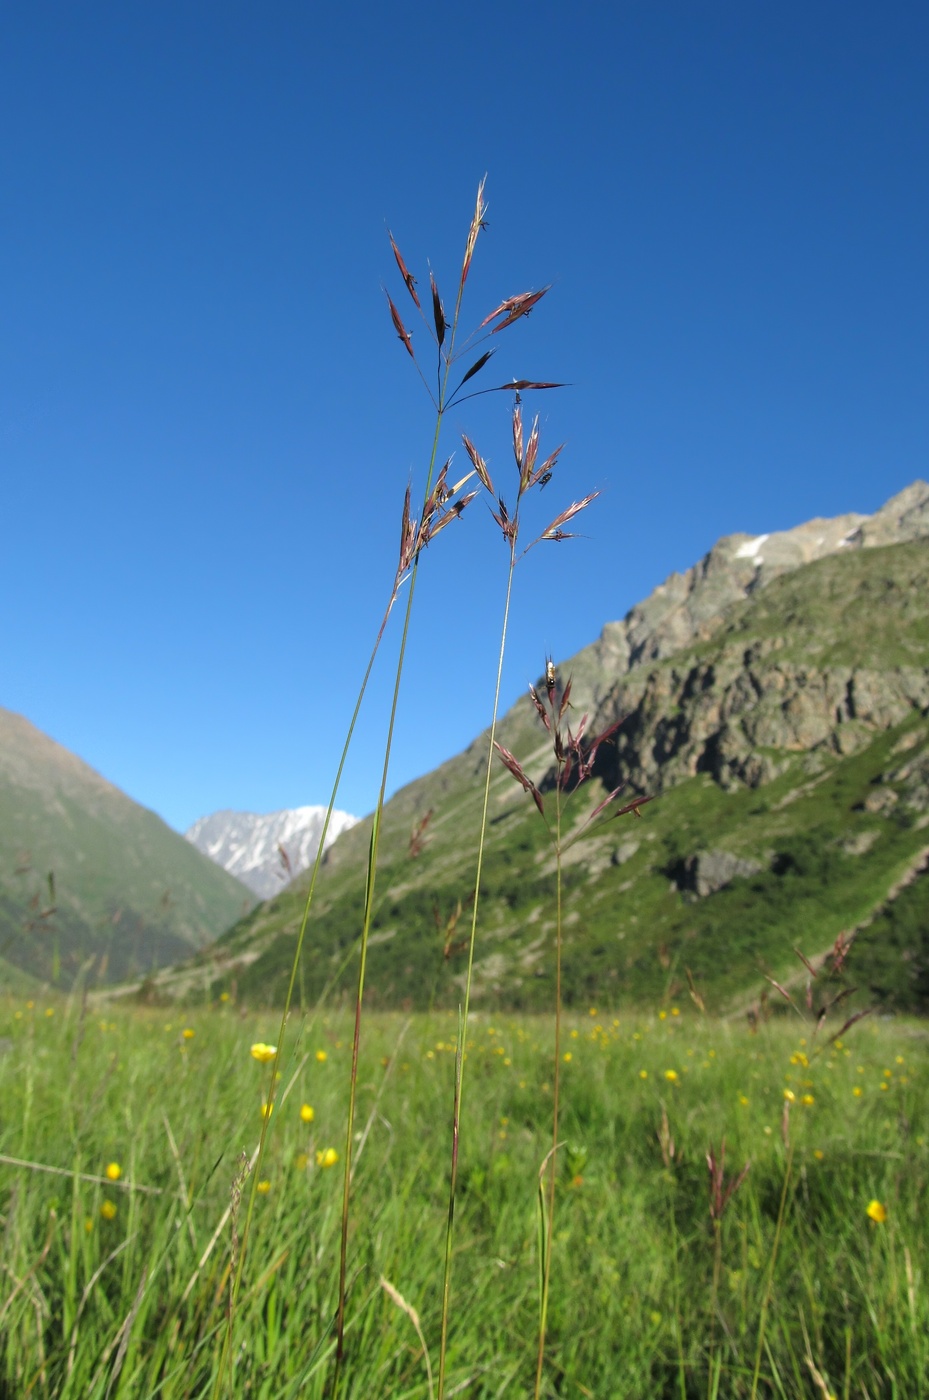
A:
[266,852]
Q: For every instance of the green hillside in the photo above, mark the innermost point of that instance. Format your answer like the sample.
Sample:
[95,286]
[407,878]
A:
[789,751]
[87,874]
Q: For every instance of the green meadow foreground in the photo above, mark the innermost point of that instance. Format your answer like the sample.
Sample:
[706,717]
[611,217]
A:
[116,1266]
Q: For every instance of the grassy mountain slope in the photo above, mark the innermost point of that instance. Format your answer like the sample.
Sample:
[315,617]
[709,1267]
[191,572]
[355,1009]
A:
[787,741]
[124,889]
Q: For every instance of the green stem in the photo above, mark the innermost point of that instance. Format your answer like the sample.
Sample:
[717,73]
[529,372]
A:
[463,1016]
[256,1174]
[713,1385]
[553,1166]
[370,883]
[769,1284]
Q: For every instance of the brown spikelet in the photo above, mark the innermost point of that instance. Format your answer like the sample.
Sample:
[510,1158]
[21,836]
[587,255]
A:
[407,276]
[438,311]
[477,223]
[540,708]
[513,766]
[778,988]
[509,527]
[418,835]
[399,327]
[408,534]
[721,1190]
[518,436]
[519,384]
[476,367]
[554,531]
[633,807]
[532,452]
[695,996]
[480,466]
[544,472]
[512,308]
[453,513]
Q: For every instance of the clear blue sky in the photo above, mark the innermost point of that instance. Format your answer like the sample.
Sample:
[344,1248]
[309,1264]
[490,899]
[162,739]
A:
[207,423]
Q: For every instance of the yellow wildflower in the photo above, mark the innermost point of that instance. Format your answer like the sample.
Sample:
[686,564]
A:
[263,1187]
[107,1210]
[307,1114]
[187,1033]
[264,1054]
[321,1057]
[326,1157]
[877,1212]
[114,1171]
[671,1075]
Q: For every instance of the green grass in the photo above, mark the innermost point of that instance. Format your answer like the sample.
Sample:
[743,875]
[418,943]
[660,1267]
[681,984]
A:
[630,1310]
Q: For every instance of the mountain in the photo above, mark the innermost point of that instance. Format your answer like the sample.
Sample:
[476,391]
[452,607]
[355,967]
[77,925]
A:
[774,698]
[266,852]
[88,874]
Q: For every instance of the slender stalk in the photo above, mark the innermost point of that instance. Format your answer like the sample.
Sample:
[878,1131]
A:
[769,1283]
[266,1121]
[676,1286]
[713,1369]
[370,883]
[556,1088]
[463,1016]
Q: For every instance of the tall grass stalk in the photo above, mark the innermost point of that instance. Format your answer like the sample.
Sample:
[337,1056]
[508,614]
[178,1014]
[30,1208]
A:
[531,473]
[441,504]
[772,1263]
[439,507]
[574,759]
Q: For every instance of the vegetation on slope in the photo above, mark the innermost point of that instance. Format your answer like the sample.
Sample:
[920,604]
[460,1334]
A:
[86,874]
[825,821]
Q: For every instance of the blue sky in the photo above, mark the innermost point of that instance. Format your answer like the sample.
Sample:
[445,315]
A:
[207,423]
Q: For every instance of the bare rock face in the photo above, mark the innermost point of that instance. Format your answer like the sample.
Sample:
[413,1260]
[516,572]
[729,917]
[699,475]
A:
[904,517]
[690,607]
[709,871]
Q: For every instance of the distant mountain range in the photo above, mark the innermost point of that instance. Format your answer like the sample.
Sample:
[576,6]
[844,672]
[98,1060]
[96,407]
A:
[88,877]
[775,698]
[266,852]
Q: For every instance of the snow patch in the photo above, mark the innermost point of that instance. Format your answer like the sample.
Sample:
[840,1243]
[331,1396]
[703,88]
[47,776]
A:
[750,548]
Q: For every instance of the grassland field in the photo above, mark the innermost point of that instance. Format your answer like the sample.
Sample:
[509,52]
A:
[115,1267]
